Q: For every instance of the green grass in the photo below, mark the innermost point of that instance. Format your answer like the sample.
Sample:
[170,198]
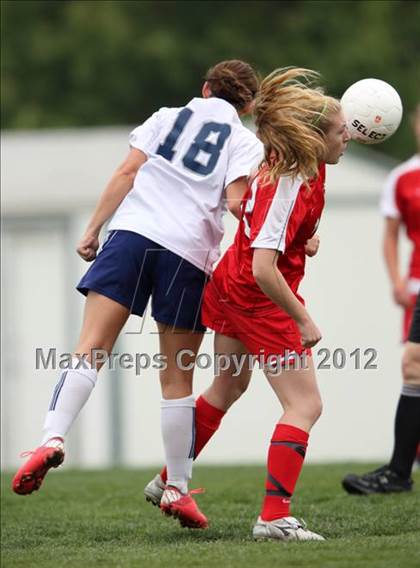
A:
[83,519]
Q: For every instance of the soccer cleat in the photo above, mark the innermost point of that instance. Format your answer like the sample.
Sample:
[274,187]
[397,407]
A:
[381,480]
[286,529]
[30,476]
[183,507]
[154,490]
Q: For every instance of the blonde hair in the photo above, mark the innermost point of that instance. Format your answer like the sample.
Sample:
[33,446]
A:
[292,116]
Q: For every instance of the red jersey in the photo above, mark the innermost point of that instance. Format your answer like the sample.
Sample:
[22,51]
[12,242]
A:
[280,216]
[401,200]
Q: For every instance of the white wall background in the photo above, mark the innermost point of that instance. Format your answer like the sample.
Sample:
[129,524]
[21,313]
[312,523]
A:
[46,202]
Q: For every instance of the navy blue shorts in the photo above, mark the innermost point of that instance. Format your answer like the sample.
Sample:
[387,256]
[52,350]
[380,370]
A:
[130,268]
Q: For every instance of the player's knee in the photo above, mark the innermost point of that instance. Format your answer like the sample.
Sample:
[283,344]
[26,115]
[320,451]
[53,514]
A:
[312,410]
[227,389]
[316,409]
[411,363]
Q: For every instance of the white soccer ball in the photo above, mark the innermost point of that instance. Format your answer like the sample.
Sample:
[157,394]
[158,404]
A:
[373,110]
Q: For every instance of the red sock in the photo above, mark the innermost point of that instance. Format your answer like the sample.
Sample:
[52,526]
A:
[285,459]
[207,421]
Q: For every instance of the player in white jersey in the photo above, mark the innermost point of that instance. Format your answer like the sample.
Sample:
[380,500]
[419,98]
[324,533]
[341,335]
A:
[185,166]
[195,158]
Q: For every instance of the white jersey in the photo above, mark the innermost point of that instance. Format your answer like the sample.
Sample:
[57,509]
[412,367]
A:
[194,153]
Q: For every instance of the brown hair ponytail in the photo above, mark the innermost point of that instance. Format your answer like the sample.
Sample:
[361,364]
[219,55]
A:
[292,117]
[234,81]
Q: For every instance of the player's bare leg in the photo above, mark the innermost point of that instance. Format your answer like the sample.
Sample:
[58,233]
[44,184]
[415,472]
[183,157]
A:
[233,380]
[411,364]
[298,394]
[102,323]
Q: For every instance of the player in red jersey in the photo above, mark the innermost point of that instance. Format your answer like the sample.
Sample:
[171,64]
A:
[252,300]
[400,205]
[401,208]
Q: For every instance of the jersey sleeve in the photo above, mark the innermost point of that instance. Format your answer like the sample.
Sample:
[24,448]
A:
[277,218]
[246,152]
[388,203]
[144,137]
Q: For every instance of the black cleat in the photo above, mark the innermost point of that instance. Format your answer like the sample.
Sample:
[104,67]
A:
[382,480]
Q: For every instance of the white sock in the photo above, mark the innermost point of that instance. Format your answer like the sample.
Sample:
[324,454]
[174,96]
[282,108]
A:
[70,395]
[178,432]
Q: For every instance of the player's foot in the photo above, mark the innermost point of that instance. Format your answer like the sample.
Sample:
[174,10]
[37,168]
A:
[285,529]
[30,476]
[381,480]
[183,507]
[154,490]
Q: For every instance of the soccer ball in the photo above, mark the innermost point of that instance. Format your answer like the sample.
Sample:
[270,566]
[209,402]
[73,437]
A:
[373,110]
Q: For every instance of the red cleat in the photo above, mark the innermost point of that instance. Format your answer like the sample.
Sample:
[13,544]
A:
[31,475]
[183,507]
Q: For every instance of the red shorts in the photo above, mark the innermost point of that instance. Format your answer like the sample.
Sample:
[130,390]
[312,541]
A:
[272,332]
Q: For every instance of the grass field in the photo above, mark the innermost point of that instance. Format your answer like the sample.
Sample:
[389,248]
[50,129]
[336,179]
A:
[83,519]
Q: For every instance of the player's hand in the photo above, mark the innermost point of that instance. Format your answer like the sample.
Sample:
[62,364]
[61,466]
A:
[312,245]
[309,332]
[88,246]
[401,295]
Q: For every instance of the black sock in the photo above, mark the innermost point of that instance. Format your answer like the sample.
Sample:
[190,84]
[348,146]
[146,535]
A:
[407,431]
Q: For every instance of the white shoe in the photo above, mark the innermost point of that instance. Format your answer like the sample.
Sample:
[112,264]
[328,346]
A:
[285,529]
[154,490]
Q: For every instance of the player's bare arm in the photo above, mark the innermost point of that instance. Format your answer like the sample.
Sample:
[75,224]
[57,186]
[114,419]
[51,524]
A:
[312,245]
[235,192]
[118,187]
[390,248]
[273,284]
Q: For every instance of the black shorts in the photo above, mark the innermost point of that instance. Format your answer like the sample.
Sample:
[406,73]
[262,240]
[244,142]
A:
[131,268]
[414,335]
